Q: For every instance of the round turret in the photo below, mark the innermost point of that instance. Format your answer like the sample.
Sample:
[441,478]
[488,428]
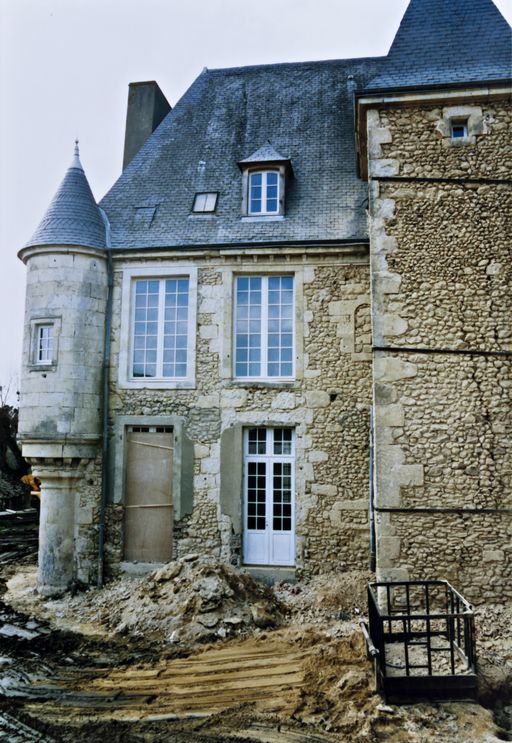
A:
[64,323]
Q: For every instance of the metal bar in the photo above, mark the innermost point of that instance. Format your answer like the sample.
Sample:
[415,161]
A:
[426,179]
[460,614]
[425,509]
[406,648]
[450,632]
[389,607]
[429,637]
[452,351]
[372,650]
[408,598]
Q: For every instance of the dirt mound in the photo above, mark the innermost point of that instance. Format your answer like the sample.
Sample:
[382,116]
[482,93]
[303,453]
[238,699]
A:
[194,599]
[325,598]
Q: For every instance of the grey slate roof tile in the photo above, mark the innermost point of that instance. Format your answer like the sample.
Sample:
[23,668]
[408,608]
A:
[304,109]
[264,154]
[73,217]
[443,42]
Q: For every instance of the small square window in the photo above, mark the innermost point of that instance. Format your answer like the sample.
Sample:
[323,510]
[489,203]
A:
[459,129]
[205,202]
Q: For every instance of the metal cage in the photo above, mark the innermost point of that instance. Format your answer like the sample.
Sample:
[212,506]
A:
[421,637]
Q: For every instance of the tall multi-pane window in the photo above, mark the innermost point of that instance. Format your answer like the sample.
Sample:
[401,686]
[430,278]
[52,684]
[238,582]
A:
[264,344]
[264,192]
[160,328]
[44,350]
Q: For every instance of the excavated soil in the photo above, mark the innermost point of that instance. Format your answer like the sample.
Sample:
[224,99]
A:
[198,651]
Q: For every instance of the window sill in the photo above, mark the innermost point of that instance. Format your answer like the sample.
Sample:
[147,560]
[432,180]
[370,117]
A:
[202,215]
[42,367]
[265,383]
[157,384]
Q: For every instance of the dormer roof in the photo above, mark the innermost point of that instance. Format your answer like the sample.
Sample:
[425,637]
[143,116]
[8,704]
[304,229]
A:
[73,217]
[441,42]
[266,155]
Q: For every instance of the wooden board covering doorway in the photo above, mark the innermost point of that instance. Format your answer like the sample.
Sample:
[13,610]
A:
[148,495]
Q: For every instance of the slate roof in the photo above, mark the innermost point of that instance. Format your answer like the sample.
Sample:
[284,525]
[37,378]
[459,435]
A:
[442,42]
[305,110]
[73,217]
[264,154]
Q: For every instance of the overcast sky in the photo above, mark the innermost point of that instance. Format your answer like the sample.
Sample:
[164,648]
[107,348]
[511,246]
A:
[65,66]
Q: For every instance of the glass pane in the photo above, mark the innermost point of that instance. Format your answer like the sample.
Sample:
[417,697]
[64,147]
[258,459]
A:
[281,493]
[257,441]
[248,333]
[283,442]
[256,495]
[199,202]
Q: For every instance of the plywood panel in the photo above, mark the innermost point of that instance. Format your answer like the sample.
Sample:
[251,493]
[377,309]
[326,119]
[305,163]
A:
[148,497]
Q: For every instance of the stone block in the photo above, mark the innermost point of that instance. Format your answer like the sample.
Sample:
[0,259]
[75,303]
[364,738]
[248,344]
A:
[317,399]
[284,401]
[384,166]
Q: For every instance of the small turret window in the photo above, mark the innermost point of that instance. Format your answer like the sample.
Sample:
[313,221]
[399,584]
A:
[44,344]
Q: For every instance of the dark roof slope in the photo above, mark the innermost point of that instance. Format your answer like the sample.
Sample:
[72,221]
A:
[441,42]
[305,110]
[73,217]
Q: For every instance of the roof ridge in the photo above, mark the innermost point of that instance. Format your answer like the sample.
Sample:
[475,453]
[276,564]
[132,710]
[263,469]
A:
[219,71]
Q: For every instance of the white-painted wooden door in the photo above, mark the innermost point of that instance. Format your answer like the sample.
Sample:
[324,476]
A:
[269,496]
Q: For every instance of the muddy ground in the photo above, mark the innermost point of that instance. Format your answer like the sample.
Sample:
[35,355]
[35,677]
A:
[199,652]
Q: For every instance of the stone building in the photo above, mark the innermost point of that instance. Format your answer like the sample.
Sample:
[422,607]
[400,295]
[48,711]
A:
[283,337]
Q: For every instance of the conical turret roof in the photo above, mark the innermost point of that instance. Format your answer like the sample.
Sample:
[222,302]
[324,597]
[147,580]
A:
[443,42]
[73,217]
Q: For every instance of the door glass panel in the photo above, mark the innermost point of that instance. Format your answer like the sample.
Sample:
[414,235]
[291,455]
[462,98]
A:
[282,509]
[256,472]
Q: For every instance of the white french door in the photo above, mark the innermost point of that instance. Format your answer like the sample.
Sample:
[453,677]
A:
[269,496]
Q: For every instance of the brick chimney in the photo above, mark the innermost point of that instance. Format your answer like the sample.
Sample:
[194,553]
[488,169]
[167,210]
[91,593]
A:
[147,107]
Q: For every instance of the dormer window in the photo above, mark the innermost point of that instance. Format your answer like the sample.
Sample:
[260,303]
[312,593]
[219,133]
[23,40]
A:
[264,192]
[265,175]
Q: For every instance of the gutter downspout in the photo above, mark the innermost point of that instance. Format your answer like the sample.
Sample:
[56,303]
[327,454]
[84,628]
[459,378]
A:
[105,447]
[371,506]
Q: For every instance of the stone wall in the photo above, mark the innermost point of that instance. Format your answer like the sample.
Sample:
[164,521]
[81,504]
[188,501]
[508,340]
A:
[327,404]
[441,268]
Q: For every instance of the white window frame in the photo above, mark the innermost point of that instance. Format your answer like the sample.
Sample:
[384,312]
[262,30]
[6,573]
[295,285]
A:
[264,328]
[456,123]
[205,199]
[36,326]
[131,274]
[45,345]
[264,198]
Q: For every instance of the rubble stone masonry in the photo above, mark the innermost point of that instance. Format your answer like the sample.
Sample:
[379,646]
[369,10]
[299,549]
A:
[441,220]
[327,403]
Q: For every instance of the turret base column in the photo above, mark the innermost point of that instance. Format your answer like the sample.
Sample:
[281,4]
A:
[56,568]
